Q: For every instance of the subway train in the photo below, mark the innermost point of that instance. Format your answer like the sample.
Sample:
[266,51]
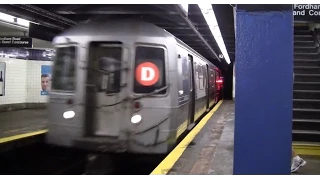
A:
[127,86]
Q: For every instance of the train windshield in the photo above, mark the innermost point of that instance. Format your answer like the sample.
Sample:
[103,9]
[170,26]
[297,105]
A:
[149,70]
[107,56]
[64,69]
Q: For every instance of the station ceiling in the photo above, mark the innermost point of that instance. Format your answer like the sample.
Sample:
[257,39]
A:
[52,19]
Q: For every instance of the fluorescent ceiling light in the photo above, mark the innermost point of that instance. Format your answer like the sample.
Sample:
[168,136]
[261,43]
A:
[211,20]
[23,22]
[6,17]
[185,7]
[11,19]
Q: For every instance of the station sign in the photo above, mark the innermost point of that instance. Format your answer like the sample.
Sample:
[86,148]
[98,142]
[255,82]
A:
[15,41]
[306,12]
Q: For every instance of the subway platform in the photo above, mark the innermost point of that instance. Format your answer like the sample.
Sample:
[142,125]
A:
[211,150]
[21,125]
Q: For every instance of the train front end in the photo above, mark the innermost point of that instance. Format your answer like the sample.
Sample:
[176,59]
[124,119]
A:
[110,92]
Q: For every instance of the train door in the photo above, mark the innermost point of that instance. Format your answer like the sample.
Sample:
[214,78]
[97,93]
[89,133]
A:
[192,91]
[208,75]
[105,97]
[218,83]
[213,87]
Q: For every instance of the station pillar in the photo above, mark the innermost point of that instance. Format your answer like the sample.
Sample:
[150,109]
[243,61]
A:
[264,89]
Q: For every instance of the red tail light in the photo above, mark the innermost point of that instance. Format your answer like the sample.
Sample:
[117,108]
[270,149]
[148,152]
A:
[136,105]
[219,81]
[69,101]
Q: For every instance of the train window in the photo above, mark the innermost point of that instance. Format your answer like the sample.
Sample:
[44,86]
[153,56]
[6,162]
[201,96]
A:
[108,58]
[200,77]
[183,75]
[217,74]
[64,69]
[149,70]
[205,76]
[212,78]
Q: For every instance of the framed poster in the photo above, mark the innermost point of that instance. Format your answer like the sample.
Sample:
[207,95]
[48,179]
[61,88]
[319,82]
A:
[45,79]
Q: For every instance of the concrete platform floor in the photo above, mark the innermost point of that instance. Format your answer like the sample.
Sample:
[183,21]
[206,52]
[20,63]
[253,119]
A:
[211,153]
[223,159]
[199,156]
[22,121]
[311,168]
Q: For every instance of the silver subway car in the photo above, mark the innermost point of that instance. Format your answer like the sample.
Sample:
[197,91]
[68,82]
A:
[126,86]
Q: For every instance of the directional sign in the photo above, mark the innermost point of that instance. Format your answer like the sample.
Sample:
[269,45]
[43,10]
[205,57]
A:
[13,41]
[306,12]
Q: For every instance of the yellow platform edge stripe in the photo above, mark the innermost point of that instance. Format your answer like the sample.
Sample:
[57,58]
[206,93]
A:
[21,136]
[300,24]
[306,149]
[168,162]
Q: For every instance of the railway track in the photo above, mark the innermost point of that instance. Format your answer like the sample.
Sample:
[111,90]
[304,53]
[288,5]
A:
[42,159]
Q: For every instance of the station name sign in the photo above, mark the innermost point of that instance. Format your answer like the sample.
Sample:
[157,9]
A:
[15,41]
[306,12]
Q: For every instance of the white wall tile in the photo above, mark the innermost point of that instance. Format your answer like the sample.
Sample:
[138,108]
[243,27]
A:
[23,81]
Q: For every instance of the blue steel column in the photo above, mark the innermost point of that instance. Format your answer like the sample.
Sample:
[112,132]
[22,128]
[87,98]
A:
[264,89]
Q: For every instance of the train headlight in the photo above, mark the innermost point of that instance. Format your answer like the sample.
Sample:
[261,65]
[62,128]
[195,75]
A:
[68,114]
[136,118]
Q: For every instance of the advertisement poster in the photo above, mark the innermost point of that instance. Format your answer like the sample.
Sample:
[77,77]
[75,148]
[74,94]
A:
[45,79]
[2,78]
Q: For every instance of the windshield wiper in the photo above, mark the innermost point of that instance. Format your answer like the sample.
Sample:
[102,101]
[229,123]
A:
[106,72]
[151,93]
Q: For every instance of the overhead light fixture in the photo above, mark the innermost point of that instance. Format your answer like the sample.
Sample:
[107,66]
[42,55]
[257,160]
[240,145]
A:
[210,17]
[11,19]
[6,17]
[23,22]
[185,7]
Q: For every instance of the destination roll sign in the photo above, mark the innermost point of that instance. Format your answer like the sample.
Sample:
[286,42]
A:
[14,41]
[306,12]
